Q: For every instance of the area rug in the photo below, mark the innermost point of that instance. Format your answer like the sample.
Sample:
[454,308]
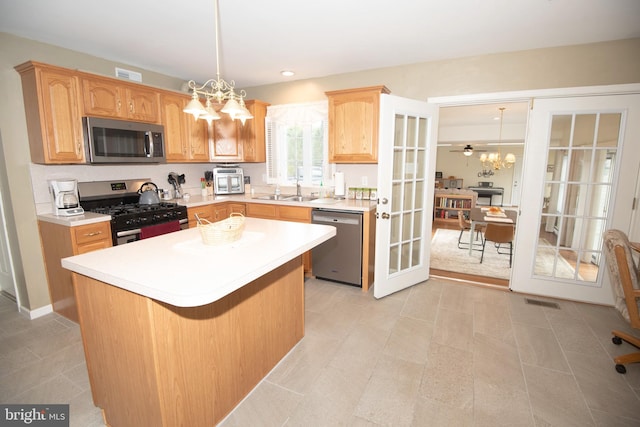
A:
[446,256]
[545,257]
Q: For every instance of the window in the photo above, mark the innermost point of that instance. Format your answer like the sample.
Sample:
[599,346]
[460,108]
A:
[296,143]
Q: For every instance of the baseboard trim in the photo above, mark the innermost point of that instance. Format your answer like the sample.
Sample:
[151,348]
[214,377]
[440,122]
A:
[38,312]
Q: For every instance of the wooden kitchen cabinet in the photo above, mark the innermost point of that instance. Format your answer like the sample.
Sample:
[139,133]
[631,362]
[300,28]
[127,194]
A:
[354,116]
[53,110]
[240,208]
[112,98]
[61,241]
[234,141]
[252,133]
[186,140]
[211,212]
[283,213]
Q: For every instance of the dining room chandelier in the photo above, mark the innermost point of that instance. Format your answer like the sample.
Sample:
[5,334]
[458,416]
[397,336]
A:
[217,91]
[494,160]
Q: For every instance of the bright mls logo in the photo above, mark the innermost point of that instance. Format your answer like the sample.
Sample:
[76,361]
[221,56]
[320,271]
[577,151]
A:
[34,415]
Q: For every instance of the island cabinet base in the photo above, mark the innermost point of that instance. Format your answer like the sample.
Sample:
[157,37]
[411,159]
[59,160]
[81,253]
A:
[154,364]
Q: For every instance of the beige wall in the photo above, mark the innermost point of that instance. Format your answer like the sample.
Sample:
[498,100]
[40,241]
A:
[584,65]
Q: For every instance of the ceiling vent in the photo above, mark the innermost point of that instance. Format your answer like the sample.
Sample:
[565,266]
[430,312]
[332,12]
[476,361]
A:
[134,76]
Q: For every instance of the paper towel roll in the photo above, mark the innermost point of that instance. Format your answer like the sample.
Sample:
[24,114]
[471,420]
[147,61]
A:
[339,183]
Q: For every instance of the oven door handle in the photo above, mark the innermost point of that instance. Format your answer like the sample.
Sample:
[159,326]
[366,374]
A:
[128,232]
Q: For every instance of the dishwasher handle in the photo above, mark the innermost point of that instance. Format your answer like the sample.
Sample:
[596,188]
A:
[335,220]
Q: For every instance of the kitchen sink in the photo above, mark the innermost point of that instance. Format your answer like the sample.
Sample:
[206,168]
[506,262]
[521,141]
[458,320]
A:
[286,198]
[275,197]
[299,199]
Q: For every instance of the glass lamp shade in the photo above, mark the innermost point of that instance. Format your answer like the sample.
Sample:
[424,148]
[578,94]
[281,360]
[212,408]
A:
[210,114]
[483,157]
[510,158]
[195,108]
[244,114]
[232,108]
[467,151]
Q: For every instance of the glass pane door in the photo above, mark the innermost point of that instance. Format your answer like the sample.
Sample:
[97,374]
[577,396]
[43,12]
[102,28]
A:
[581,167]
[405,193]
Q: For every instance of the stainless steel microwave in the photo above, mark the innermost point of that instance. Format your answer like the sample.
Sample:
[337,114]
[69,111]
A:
[120,141]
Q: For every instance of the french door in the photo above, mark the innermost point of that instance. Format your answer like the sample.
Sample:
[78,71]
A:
[406,165]
[582,159]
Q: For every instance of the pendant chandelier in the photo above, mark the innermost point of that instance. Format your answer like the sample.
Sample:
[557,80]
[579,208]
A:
[217,91]
[494,160]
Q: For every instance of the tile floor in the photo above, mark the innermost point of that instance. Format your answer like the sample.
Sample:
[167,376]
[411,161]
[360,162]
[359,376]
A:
[438,354]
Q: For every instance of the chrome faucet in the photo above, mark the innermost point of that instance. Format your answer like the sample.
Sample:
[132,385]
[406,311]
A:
[298,189]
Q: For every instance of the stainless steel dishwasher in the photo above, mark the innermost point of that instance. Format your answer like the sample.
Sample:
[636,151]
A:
[340,258]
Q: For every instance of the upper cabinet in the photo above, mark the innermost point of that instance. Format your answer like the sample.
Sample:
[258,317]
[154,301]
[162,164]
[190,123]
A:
[235,141]
[57,98]
[111,98]
[186,139]
[354,116]
[53,112]
[252,133]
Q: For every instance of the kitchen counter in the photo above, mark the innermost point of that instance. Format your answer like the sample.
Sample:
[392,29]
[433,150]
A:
[75,220]
[177,268]
[198,200]
[338,204]
[178,333]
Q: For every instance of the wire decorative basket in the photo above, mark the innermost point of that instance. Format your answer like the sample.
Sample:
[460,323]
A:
[221,232]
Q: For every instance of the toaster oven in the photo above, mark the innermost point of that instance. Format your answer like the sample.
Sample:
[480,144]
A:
[227,180]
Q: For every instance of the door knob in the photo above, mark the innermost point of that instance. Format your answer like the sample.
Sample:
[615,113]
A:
[384,201]
[385,215]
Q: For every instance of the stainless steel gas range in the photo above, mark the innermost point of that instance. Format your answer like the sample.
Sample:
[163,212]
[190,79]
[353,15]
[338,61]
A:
[130,220]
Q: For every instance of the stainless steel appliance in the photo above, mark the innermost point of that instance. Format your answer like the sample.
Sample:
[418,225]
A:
[130,220]
[119,141]
[64,197]
[228,180]
[339,259]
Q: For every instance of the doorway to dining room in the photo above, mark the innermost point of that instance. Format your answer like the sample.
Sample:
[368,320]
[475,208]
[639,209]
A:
[467,134]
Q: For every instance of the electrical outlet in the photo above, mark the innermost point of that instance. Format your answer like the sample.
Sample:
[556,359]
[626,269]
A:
[365,180]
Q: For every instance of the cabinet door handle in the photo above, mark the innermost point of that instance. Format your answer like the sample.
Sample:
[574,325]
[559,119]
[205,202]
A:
[93,233]
[131,107]
[119,105]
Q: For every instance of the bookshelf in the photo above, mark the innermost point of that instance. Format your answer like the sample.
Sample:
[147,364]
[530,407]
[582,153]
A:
[447,204]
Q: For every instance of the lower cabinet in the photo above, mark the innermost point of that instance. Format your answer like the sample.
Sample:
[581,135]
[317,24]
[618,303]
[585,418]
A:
[211,213]
[60,241]
[286,213]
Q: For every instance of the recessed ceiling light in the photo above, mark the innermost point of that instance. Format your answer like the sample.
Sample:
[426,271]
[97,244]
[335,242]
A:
[287,73]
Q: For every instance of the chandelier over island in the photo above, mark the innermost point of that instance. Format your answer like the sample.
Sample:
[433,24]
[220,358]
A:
[494,160]
[217,91]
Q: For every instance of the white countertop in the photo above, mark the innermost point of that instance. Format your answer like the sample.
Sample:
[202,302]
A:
[342,204]
[179,269]
[75,220]
[198,200]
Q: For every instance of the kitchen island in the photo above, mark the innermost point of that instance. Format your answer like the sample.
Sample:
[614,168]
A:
[176,332]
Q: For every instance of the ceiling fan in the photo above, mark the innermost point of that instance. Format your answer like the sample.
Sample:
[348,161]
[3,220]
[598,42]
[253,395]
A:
[468,150]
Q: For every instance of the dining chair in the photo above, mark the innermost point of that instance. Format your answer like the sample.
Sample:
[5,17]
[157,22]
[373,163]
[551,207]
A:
[466,225]
[623,272]
[499,234]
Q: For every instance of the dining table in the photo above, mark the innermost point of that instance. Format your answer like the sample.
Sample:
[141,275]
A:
[483,215]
